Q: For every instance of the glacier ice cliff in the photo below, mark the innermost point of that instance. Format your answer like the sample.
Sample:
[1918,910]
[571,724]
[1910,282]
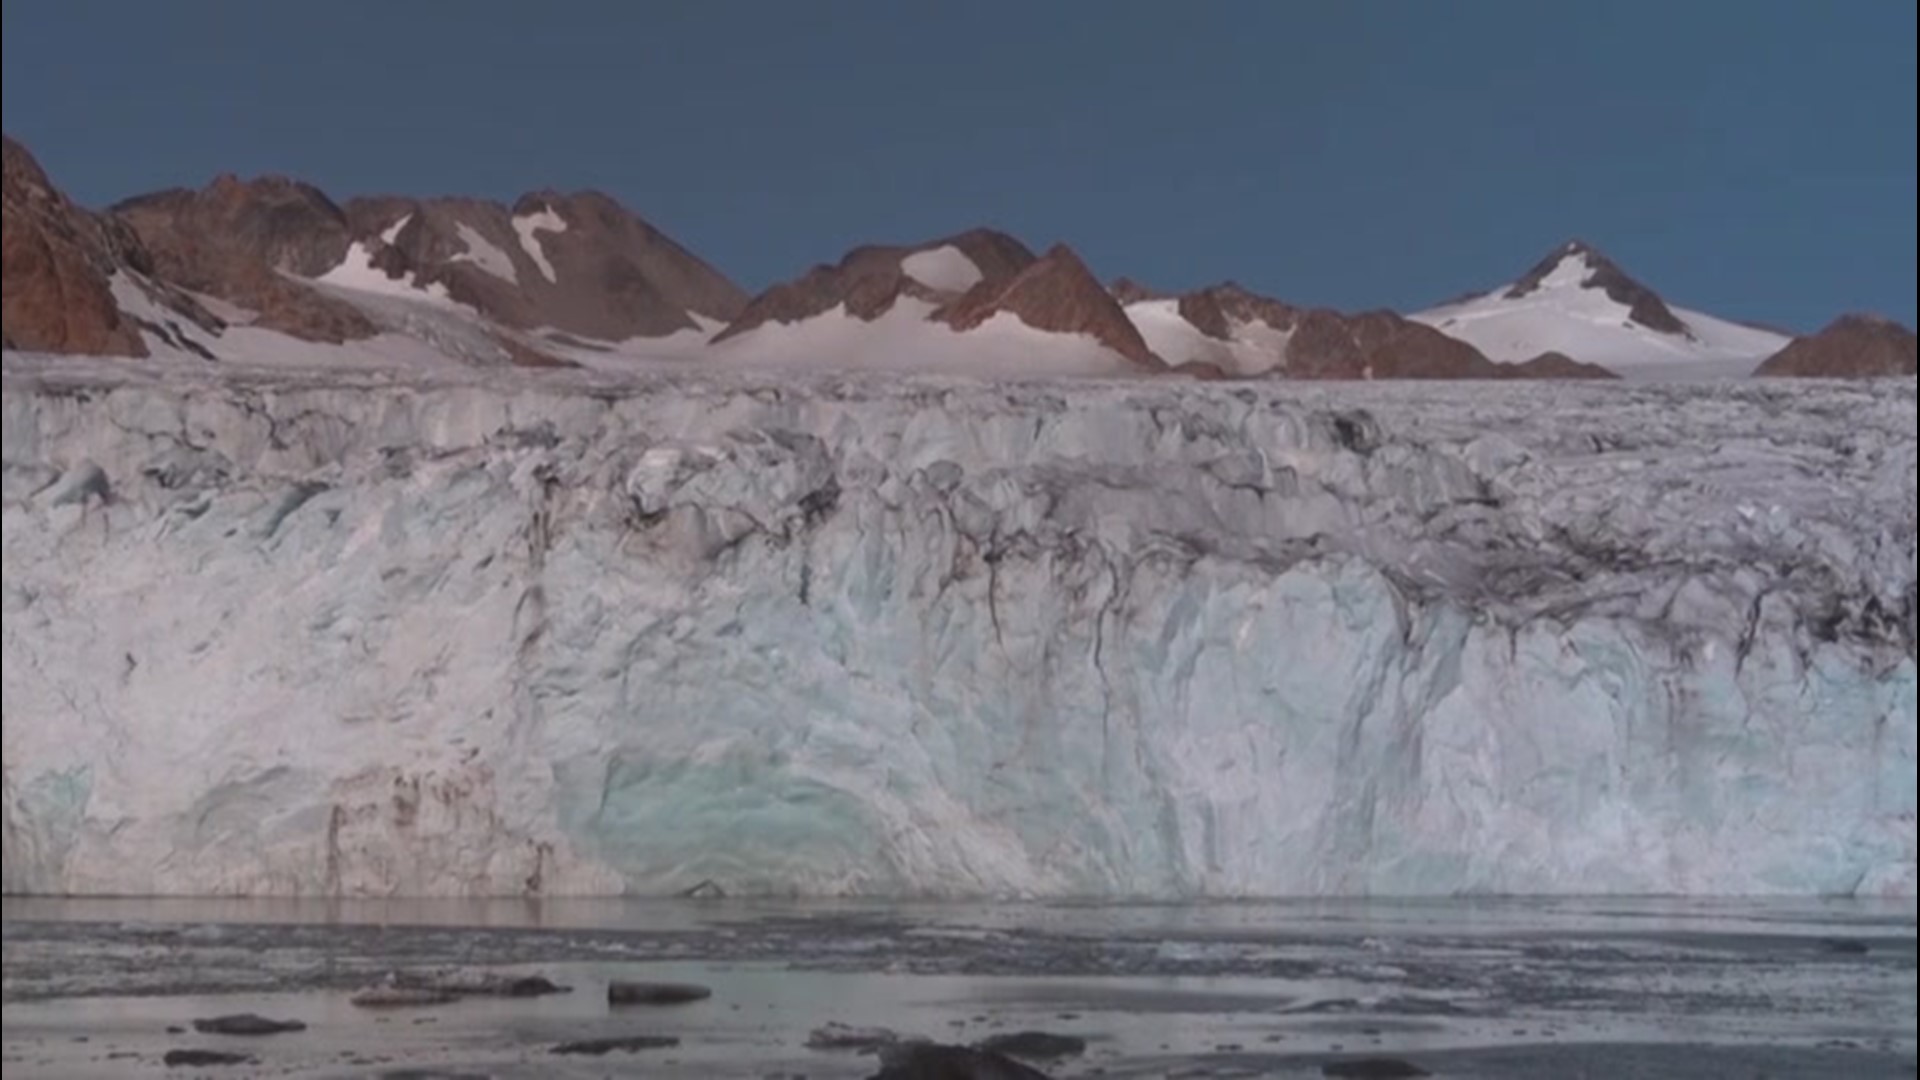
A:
[472,634]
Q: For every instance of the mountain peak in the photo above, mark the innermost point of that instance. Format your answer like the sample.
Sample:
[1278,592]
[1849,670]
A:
[1577,264]
[1057,294]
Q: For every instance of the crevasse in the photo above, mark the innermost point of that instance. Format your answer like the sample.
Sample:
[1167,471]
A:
[350,635]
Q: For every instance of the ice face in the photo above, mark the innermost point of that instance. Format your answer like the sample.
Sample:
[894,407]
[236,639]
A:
[494,635]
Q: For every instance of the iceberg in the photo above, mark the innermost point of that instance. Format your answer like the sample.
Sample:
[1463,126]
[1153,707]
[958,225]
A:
[487,633]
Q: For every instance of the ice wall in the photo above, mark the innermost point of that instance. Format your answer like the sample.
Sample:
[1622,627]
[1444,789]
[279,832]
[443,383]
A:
[295,635]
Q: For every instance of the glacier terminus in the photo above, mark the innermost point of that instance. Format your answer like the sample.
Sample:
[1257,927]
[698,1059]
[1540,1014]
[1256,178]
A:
[482,633]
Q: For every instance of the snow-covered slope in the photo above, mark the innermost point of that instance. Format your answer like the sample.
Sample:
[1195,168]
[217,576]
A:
[1251,348]
[1579,304]
[503,633]
[906,339]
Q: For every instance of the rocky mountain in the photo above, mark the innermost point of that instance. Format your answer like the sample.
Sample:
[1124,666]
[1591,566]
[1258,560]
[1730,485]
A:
[1582,305]
[578,264]
[1852,346]
[71,274]
[273,271]
[254,244]
[977,302]
[869,280]
[570,269]
[1056,294]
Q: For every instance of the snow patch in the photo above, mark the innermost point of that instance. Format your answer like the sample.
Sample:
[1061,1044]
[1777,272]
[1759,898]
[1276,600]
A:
[392,233]
[357,272]
[529,226]
[708,324]
[1571,272]
[414,335]
[946,268]
[175,333]
[484,254]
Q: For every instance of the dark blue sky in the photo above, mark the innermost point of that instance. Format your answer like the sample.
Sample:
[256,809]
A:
[1755,159]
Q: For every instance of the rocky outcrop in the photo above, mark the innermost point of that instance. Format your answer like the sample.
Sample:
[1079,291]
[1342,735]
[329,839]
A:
[248,242]
[1058,294]
[59,262]
[1850,347]
[1378,345]
[1212,310]
[869,280]
[1554,365]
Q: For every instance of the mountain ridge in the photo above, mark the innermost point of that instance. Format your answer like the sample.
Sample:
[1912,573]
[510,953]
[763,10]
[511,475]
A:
[272,269]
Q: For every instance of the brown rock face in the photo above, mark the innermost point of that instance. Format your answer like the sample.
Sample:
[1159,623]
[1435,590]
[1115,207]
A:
[578,266]
[1554,365]
[869,279]
[1850,347]
[586,267]
[599,272]
[1214,309]
[1383,345]
[1378,345]
[241,240]
[283,223]
[1645,306]
[614,276]
[1057,294]
[1204,310]
[55,294]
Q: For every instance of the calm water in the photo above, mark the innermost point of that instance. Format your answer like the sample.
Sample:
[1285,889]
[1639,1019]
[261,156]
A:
[1600,988]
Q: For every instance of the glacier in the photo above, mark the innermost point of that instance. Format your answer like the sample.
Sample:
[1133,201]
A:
[489,633]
